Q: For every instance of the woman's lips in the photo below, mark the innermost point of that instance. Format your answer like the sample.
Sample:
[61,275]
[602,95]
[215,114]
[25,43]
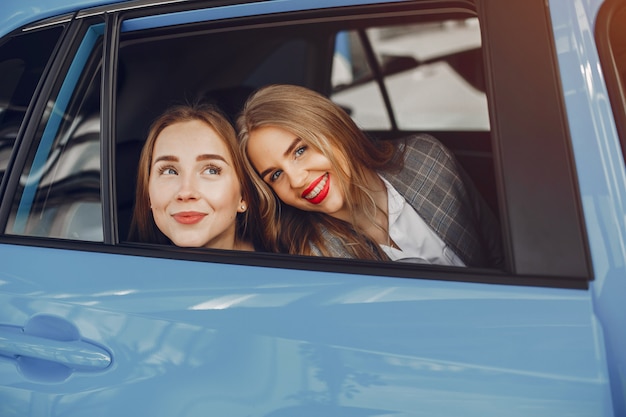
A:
[318,190]
[188,217]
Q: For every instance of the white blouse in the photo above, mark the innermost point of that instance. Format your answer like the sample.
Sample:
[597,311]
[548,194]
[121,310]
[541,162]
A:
[416,240]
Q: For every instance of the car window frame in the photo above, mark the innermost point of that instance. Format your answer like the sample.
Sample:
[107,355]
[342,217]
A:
[575,255]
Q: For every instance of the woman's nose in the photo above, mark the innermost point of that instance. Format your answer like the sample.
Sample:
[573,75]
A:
[297,177]
[188,188]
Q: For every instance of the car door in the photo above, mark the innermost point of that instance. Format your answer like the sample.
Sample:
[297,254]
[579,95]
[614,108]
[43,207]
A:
[93,324]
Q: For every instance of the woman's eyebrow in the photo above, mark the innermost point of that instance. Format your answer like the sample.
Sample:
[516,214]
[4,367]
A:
[166,158]
[291,147]
[286,154]
[267,171]
[209,156]
[203,157]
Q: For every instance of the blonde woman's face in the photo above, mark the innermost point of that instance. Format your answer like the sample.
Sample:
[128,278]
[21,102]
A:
[299,175]
[195,194]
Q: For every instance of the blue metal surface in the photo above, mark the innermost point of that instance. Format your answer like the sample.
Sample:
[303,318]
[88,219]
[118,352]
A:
[17,13]
[245,341]
[601,175]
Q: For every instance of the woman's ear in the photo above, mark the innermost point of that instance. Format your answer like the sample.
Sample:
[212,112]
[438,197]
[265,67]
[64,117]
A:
[243,206]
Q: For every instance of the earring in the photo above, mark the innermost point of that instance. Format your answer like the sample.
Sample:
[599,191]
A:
[243,207]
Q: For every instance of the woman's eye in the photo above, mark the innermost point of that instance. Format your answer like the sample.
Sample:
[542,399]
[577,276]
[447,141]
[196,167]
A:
[168,171]
[212,170]
[275,175]
[300,150]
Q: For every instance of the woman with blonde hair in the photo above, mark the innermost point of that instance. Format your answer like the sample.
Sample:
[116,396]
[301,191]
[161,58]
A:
[327,189]
[192,189]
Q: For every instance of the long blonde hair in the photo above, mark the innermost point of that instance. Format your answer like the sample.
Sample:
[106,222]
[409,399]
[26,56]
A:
[325,127]
[143,228]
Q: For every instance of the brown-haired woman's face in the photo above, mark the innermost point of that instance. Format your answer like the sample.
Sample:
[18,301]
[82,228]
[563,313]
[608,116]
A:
[300,176]
[194,191]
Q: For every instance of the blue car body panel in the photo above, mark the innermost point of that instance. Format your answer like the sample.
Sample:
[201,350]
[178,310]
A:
[18,13]
[111,334]
[237,340]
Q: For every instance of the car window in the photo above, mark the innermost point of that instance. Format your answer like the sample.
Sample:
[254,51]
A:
[217,62]
[59,191]
[431,72]
[373,67]
[23,58]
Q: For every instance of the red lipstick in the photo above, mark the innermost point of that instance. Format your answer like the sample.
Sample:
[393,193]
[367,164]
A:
[317,191]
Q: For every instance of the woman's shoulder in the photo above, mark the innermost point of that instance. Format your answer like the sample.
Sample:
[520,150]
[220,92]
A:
[334,246]
[416,152]
[421,143]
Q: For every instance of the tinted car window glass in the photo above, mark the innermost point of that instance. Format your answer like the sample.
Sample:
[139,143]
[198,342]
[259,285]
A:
[432,72]
[22,61]
[59,193]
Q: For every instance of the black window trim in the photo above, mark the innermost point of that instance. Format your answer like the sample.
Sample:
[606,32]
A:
[107,135]
[541,208]
[53,21]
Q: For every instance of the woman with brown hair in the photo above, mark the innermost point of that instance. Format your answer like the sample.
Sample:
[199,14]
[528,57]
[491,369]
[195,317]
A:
[327,189]
[192,189]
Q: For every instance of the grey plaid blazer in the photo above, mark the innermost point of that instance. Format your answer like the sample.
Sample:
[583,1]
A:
[439,190]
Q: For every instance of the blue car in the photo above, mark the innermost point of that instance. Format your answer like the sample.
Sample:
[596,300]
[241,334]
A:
[528,95]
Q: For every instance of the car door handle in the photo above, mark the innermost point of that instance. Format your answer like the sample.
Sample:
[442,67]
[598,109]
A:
[76,354]
[50,348]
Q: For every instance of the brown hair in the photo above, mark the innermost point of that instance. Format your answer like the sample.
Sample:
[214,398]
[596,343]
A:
[143,228]
[324,126]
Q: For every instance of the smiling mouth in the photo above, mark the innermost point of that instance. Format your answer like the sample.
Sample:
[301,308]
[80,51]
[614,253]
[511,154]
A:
[318,190]
[188,217]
